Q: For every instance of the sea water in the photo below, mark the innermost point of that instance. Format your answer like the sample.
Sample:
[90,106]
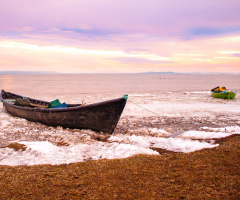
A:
[115,83]
[159,106]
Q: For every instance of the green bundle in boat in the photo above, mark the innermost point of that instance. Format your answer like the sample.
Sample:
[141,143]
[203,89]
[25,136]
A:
[57,104]
[54,103]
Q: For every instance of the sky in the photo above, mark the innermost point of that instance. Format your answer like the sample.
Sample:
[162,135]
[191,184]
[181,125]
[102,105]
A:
[120,36]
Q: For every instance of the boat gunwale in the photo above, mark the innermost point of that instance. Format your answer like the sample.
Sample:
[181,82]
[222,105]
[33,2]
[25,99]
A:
[73,107]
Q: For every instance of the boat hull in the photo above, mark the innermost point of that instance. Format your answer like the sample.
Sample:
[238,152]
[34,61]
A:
[101,117]
[225,95]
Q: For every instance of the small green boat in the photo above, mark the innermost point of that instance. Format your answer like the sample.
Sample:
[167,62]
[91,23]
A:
[222,93]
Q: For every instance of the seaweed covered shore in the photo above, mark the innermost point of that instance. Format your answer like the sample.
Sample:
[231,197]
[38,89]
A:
[206,174]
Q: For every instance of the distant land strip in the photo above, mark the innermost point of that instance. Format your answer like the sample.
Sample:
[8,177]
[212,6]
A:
[26,72]
[53,72]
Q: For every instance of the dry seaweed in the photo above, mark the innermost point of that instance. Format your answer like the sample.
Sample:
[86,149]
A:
[16,146]
[205,174]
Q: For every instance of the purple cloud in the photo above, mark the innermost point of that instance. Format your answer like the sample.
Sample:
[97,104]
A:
[208,31]
[236,54]
[159,17]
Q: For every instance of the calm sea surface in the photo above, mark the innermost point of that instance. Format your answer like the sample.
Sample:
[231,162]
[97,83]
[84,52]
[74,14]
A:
[114,83]
[141,88]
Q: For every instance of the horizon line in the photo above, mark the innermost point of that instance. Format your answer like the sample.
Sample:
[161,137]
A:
[9,72]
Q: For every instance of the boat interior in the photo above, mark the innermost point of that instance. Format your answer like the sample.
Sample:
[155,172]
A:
[29,102]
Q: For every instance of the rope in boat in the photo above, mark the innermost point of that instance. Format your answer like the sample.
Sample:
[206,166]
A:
[8,100]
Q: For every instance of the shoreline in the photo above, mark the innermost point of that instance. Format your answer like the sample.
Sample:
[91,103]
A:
[133,135]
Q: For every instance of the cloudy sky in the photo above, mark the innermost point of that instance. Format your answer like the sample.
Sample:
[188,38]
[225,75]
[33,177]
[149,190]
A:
[118,36]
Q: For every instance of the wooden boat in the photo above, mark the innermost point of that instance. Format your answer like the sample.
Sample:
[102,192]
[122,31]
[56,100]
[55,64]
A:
[101,117]
[222,93]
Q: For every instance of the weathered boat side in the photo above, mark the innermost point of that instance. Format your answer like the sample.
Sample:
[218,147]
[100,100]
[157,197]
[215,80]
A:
[102,117]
